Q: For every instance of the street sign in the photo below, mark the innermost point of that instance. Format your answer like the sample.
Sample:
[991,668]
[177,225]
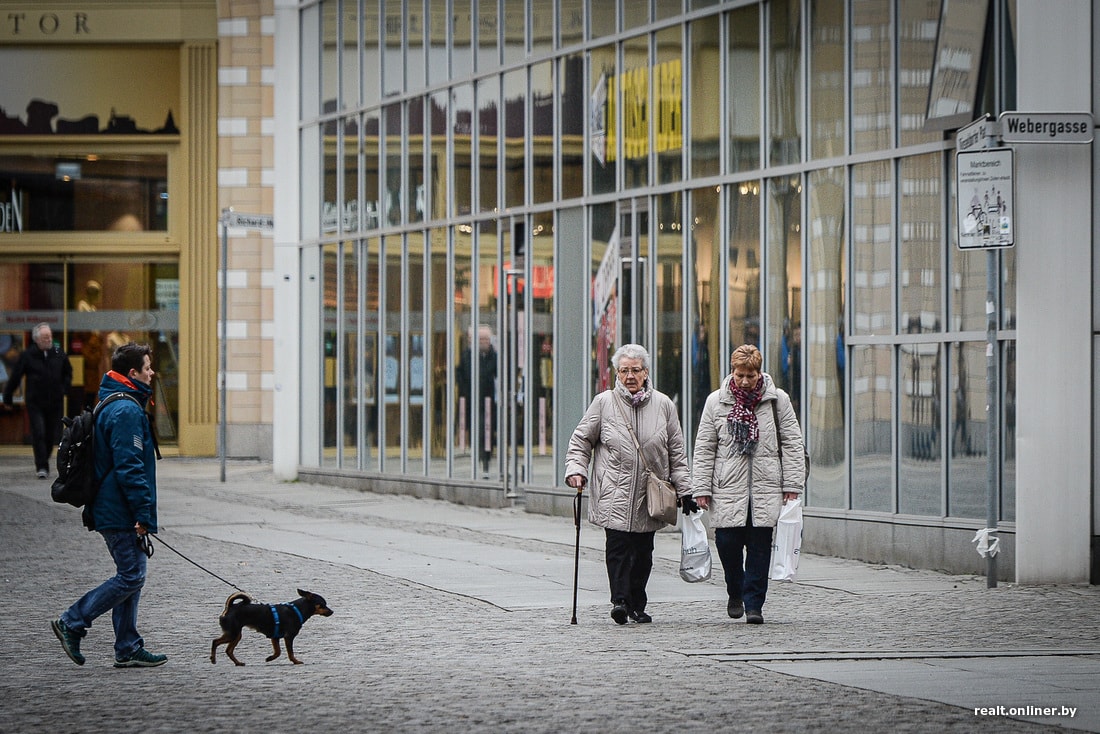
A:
[1046,127]
[984,186]
[979,134]
[250,221]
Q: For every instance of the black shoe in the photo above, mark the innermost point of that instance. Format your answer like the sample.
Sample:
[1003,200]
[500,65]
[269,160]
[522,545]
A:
[619,614]
[735,608]
[753,616]
[641,617]
[70,641]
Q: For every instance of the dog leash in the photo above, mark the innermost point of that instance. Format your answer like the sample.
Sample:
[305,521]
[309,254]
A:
[147,547]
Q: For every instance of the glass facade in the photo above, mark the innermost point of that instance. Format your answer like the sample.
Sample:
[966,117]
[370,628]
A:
[750,172]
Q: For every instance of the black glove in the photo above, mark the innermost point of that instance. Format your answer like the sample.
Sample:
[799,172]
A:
[688,504]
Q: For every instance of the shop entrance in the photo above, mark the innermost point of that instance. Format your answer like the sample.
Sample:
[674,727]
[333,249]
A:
[92,307]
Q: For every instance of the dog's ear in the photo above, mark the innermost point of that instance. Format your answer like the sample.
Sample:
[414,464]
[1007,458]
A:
[306,594]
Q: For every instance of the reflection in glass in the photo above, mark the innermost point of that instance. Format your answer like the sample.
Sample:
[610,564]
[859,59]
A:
[330,56]
[349,355]
[823,411]
[393,137]
[414,51]
[784,272]
[668,273]
[1008,433]
[488,47]
[330,269]
[873,249]
[571,116]
[635,114]
[920,422]
[349,57]
[542,120]
[668,103]
[967,474]
[603,123]
[438,378]
[486,344]
[743,276]
[917,25]
[920,234]
[705,99]
[872,428]
[603,23]
[372,58]
[605,294]
[462,52]
[540,406]
[828,46]
[744,118]
[416,304]
[393,59]
[372,200]
[370,456]
[415,192]
[349,219]
[488,103]
[330,177]
[515,30]
[570,20]
[393,356]
[438,68]
[462,119]
[872,76]
[438,191]
[515,138]
[461,329]
[785,81]
[707,365]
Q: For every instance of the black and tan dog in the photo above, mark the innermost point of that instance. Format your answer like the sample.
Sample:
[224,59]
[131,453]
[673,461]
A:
[276,621]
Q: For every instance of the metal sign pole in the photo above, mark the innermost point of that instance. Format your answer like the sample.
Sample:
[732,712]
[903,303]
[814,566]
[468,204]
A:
[223,357]
[993,401]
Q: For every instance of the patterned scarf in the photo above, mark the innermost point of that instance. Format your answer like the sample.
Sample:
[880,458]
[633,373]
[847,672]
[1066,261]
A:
[637,398]
[741,420]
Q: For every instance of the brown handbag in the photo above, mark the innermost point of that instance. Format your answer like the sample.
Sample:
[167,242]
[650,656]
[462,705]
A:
[660,495]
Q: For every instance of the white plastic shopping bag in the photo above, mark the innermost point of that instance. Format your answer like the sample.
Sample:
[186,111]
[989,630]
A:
[694,549]
[788,542]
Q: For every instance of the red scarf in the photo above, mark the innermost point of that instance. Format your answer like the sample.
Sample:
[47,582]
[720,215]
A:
[741,420]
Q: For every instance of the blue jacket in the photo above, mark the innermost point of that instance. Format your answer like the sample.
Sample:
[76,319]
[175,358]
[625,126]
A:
[125,459]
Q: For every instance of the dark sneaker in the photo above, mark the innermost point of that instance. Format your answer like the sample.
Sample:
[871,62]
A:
[753,616]
[735,609]
[42,473]
[619,614]
[141,659]
[641,617]
[70,641]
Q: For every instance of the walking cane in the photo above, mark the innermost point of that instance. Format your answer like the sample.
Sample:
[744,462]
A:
[577,553]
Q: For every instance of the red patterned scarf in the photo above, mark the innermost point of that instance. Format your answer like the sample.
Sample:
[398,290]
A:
[742,423]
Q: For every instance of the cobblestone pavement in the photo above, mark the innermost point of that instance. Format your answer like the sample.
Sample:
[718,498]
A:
[400,655]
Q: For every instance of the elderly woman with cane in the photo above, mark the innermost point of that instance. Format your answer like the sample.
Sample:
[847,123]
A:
[633,413]
[748,462]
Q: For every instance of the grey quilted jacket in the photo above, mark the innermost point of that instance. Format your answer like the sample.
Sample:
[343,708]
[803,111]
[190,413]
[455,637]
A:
[732,480]
[602,450]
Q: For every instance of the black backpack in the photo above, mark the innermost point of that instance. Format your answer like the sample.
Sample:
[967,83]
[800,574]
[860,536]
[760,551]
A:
[76,482]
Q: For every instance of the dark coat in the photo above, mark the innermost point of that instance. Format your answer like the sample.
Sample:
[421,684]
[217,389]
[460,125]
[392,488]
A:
[125,458]
[49,377]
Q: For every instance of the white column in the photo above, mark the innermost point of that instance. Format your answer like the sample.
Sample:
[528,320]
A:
[285,404]
[1054,376]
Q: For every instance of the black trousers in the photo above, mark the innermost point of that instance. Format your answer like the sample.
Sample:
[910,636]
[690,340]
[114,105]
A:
[45,432]
[629,561]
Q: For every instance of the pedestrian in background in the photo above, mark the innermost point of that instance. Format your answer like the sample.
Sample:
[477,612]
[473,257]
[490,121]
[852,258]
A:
[49,375]
[124,511]
[602,448]
[738,474]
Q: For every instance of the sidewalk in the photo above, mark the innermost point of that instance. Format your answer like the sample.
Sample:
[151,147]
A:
[452,618]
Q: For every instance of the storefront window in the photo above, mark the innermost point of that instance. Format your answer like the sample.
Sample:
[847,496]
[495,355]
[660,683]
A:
[92,308]
[86,192]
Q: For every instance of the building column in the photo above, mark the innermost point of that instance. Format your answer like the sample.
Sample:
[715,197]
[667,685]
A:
[1054,374]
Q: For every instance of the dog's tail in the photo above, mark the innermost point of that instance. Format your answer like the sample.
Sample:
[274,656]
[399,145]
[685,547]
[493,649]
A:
[234,600]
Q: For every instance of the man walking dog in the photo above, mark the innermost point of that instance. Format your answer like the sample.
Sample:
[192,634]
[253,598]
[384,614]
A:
[124,511]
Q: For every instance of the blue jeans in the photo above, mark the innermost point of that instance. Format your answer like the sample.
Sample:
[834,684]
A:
[751,546]
[120,594]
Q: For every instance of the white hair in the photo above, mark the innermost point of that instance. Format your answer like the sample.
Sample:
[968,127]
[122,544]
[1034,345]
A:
[630,351]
